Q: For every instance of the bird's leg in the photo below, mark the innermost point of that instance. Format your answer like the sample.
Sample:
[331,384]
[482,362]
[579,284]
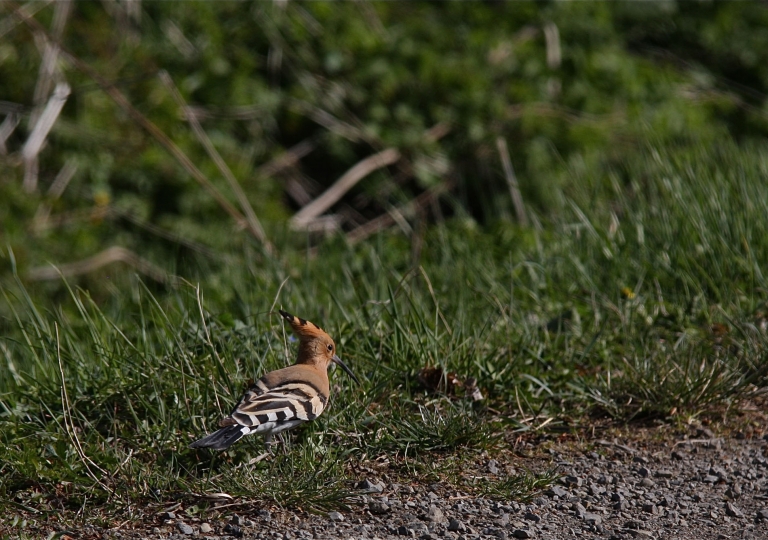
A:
[285,445]
[268,443]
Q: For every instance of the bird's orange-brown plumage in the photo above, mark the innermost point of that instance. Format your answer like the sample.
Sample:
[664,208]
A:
[284,398]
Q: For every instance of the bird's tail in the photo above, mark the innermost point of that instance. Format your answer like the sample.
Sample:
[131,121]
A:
[222,439]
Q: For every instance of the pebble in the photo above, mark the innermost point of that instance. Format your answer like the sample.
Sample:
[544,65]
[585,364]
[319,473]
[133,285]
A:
[234,530]
[556,491]
[435,515]
[369,487]
[184,528]
[205,528]
[732,511]
[521,533]
[573,480]
[593,519]
[378,507]
[335,516]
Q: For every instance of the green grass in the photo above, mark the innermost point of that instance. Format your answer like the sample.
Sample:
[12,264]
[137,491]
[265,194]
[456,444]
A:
[644,295]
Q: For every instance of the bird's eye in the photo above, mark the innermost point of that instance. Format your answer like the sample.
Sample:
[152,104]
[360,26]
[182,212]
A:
[330,347]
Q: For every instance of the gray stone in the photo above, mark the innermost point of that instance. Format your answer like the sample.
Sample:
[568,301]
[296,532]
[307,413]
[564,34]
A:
[455,525]
[184,528]
[556,491]
[733,492]
[650,508]
[664,474]
[435,515]
[493,466]
[733,511]
[521,533]
[234,530]
[369,487]
[168,515]
[335,516]
[593,519]
[205,528]
[621,506]
[644,472]
[378,507]
[530,516]
[572,480]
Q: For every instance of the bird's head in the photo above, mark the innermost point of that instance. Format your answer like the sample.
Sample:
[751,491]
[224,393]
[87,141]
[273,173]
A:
[315,346]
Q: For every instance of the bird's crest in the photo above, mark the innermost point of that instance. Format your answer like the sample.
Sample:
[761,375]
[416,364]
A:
[304,329]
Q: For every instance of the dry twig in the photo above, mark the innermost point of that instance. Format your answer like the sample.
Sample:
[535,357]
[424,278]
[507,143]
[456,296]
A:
[103,258]
[344,184]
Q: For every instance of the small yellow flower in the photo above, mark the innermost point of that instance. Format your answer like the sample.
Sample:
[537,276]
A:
[101,198]
[626,292]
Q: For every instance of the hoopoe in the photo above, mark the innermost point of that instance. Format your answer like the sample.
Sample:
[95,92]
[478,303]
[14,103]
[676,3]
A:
[284,398]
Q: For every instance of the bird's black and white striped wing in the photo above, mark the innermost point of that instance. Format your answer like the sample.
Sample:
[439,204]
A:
[266,409]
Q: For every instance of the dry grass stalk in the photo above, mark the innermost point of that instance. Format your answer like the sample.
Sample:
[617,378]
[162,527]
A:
[6,129]
[21,14]
[253,222]
[101,259]
[514,189]
[387,220]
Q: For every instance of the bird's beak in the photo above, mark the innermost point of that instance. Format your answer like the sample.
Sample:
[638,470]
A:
[337,360]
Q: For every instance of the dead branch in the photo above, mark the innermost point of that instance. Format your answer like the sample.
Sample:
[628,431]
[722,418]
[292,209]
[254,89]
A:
[6,129]
[287,159]
[50,49]
[20,15]
[39,133]
[328,121]
[509,174]
[253,222]
[58,186]
[344,184]
[108,256]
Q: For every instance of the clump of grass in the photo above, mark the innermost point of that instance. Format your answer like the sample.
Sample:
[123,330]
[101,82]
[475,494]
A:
[663,383]
[438,426]
[522,487]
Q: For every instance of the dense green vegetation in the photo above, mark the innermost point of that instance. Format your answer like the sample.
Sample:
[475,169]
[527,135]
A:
[636,290]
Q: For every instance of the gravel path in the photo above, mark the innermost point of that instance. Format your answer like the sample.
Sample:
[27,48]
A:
[696,488]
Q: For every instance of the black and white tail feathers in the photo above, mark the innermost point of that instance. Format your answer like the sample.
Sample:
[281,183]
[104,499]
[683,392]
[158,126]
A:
[221,439]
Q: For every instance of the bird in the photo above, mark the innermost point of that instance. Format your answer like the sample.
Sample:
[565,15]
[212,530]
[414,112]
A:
[285,398]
